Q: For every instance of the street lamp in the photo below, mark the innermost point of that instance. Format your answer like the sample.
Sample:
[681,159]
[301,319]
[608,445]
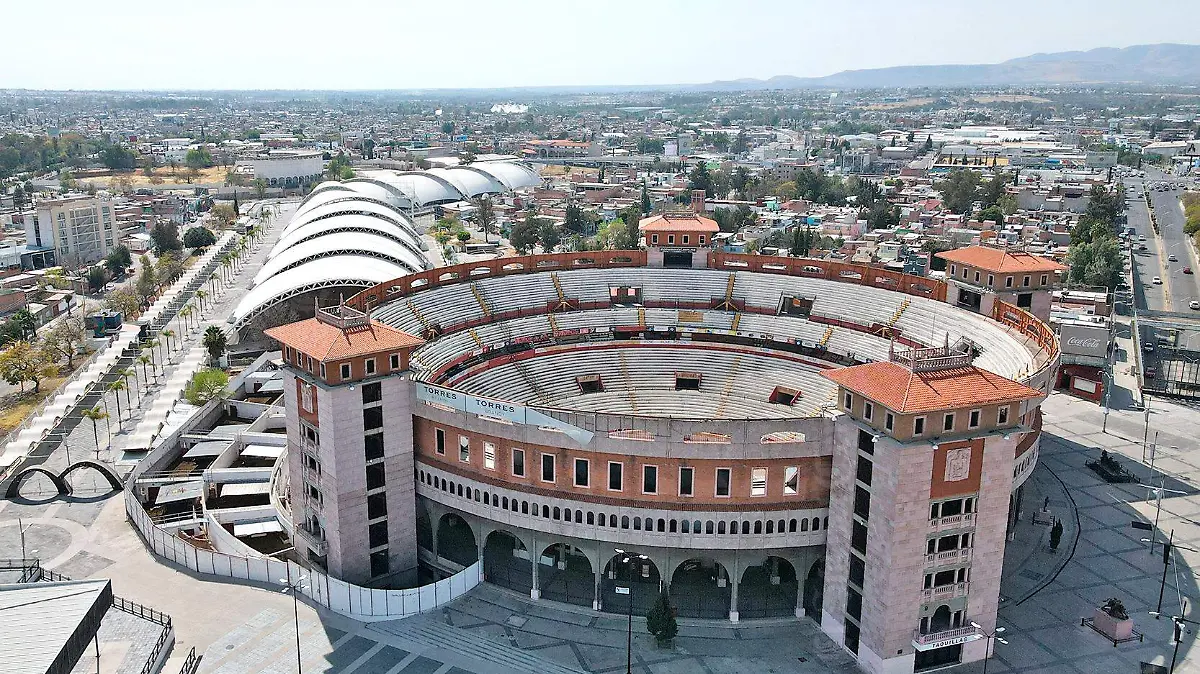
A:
[990,636]
[628,559]
[294,588]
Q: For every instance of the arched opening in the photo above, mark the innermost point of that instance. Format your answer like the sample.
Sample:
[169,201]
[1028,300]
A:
[565,574]
[506,562]
[814,590]
[700,589]
[56,487]
[641,576]
[106,473]
[940,620]
[455,540]
[424,527]
[768,590]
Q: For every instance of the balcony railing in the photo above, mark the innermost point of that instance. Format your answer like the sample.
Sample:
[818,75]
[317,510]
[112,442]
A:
[948,557]
[315,540]
[944,635]
[946,591]
[952,522]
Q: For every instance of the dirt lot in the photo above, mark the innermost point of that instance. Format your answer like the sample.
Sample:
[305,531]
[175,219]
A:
[137,179]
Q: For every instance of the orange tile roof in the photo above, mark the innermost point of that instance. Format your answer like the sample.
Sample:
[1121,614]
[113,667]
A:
[327,342]
[683,222]
[1000,261]
[898,388]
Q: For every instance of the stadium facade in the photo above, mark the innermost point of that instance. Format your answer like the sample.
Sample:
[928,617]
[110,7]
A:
[773,436]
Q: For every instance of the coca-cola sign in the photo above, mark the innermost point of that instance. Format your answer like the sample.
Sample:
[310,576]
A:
[1084,340]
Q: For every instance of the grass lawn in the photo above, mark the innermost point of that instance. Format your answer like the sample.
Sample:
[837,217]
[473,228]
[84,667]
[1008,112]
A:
[14,407]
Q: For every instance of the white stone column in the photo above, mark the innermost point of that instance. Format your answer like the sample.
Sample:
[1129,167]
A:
[733,590]
[535,556]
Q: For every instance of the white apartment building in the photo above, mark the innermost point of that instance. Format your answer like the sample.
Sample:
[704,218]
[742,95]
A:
[79,229]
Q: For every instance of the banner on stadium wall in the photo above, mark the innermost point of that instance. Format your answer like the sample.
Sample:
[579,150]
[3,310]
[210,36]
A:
[497,409]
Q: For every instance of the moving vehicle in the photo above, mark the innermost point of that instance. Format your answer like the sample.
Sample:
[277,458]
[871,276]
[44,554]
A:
[1187,270]
[1156,281]
[1172,258]
[1194,305]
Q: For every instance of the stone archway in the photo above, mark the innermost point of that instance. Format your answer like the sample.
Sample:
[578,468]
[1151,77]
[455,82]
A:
[506,562]
[645,583]
[700,589]
[814,590]
[113,480]
[768,590]
[14,487]
[456,541]
[565,574]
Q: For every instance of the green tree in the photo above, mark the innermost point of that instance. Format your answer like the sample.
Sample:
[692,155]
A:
[741,143]
[575,220]
[223,214]
[993,190]
[165,237]
[548,234]
[123,300]
[95,415]
[660,621]
[1007,204]
[96,278]
[959,190]
[992,213]
[198,158]
[199,237]
[699,179]
[206,385]
[21,325]
[22,362]
[524,236]
[118,260]
[118,158]
[214,341]
[929,143]
[485,216]
[260,187]
[1095,263]
[646,205]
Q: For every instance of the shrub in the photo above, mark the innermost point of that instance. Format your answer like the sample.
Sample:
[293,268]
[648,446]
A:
[206,385]
[660,621]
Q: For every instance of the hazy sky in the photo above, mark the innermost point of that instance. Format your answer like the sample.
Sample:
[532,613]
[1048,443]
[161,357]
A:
[394,44]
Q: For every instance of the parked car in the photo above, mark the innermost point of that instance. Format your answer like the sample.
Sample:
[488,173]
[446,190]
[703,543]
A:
[1156,281]
[1148,347]
[1187,270]
[1172,258]
[1194,305]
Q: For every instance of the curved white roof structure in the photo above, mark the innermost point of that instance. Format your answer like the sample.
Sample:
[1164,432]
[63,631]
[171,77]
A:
[356,233]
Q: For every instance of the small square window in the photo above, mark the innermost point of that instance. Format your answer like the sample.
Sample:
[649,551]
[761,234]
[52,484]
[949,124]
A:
[1008,281]
[370,365]
[653,238]
[670,239]
[394,361]
[372,393]
[791,481]
[974,419]
[758,482]
[464,449]
[1045,279]
[919,426]
[948,422]
[376,506]
[1002,415]
[685,239]
[518,462]
[722,483]
[345,370]
[377,534]
[1025,281]
[649,479]
[373,446]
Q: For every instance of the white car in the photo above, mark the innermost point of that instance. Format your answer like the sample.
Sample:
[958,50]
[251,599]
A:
[1156,281]
[1194,304]
[1172,258]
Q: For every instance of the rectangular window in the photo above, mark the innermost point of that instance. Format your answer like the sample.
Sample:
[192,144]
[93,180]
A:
[323,371]
[375,473]
[858,536]
[287,353]
[973,419]
[653,238]
[685,239]
[758,482]
[547,468]
[377,534]
[1002,415]
[439,439]
[370,365]
[851,637]
[649,479]
[582,477]
[615,475]
[948,422]
[977,277]
[866,442]
[372,393]
[919,426]
[953,269]
[489,456]
[1008,281]
[374,446]
[862,503]
[848,401]
[868,411]
[518,462]
[791,481]
[376,506]
[372,418]
[889,421]
[854,602]
[464,449]
[685,481]
[379,563]
[866,470]
[394,361]
[1025,281]
[722,488]
[858,570]
[991,280]
[345,370]
[1045,279]
[670,239]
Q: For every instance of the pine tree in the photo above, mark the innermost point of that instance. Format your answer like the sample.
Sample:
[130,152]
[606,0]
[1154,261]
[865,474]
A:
[646,208]
[660,621]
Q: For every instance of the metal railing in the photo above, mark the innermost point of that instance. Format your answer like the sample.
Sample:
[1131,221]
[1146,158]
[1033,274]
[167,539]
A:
[191,664]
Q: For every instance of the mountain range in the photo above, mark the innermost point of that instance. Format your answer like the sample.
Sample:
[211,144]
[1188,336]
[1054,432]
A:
[1139,64]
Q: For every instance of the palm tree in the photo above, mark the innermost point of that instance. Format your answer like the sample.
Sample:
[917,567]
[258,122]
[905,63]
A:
[184,313]
[214,341]
[168,333]
[95,414]
[151,346]
[201,295]
[116,387]
[125,374]
[145,360]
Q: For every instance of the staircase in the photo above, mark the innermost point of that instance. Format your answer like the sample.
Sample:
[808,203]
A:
[727,303]
[562,297]
[729,383]
[479,298]
[417,313]
[641,317]
[737,320]
[891,323]
[826,337]
[553,322]
[475,336]
[628,382]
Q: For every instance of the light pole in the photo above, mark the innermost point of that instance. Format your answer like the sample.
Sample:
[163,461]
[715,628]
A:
[294,588]
[990,636]
[627,559]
